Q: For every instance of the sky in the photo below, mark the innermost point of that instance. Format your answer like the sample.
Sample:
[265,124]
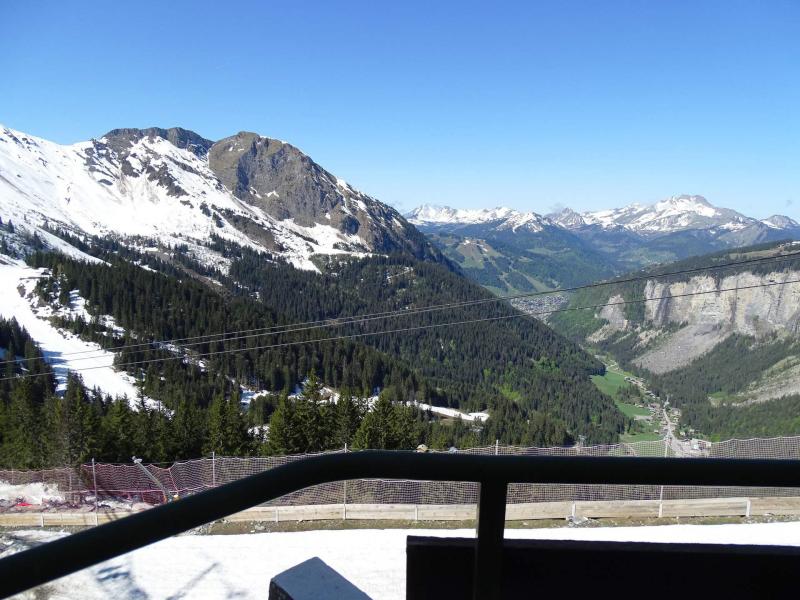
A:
[533,105]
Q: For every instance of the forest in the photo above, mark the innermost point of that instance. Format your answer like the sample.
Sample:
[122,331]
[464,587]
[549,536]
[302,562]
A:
[534,383]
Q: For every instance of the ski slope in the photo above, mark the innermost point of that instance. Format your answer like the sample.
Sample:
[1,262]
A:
[17,282]
[241,566]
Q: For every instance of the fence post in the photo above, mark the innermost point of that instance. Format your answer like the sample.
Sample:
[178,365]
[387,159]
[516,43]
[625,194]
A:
[496,447]
[213,469]
[661,492]
[94,478]
[344,502]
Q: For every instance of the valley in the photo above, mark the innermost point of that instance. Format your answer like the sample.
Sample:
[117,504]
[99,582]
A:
[248,234]
[169,277]
[690,337]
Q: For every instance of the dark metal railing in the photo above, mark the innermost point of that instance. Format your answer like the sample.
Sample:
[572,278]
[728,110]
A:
[64,556]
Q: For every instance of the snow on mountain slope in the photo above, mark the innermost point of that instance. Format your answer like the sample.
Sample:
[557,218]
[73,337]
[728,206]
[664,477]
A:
[500,218]
[157,187]
[431,214]
[780,222]
[64,351]
[673,214]
[677,213]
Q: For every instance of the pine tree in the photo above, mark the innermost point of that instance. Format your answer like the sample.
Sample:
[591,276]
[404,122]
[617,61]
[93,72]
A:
[216,425]
[237,440]
[285,433]
[314,416]
[21,434]
[188,430]
[349,413]
[117,443]
[80,422]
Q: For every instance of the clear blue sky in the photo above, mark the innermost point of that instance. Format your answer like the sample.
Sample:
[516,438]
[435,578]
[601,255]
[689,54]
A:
[587,104]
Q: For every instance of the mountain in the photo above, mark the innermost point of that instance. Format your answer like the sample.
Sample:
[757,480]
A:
[97,239]
[431,215]
[665,225]
[162,188]
[509,251]
[570,248]
[677,213]
[691,337]
[780,222]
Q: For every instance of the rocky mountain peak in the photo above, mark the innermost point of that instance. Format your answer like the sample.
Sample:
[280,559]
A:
[780,222]
[567,218]
[120,140]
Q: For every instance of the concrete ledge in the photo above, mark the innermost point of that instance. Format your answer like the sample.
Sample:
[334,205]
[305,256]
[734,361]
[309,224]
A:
[712,507]
[704,507]
[446,512]
[381,511]
[538,510]
[623,508]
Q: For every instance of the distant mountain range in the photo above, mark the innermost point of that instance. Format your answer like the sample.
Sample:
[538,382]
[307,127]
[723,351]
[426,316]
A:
[678,213]
[509,250]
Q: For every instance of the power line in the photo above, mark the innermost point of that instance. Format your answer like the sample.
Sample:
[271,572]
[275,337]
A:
[340,322]
[416,328]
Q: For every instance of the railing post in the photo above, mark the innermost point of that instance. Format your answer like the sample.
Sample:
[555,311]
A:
[488,577]
[496,447]
[213,469]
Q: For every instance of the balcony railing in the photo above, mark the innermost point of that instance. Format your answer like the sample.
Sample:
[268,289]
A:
[61,557]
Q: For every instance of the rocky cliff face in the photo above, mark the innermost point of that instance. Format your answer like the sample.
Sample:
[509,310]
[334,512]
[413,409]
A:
[760,305]
[686,319]
[286,184]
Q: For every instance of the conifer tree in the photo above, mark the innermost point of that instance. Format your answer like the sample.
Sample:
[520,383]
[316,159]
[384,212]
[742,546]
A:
[285,435]
[188,430]
[216,424]
[313,416]
[349,413]
[386,427]
[20,438]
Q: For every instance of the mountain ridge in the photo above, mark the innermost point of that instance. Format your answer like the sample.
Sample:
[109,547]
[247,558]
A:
[164,188]
[511,251]
[676,213]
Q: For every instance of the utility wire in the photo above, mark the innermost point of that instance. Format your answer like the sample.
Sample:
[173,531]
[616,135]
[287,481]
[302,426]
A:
[415,328]
[339,322]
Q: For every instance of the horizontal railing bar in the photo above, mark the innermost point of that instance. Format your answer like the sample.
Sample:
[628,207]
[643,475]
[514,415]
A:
[83,549]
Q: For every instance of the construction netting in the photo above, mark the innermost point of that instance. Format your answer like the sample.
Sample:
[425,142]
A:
[155,484]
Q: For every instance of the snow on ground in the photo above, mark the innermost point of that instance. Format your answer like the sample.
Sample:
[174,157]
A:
[61,349]
[241,566]
[452,412]
[32,493]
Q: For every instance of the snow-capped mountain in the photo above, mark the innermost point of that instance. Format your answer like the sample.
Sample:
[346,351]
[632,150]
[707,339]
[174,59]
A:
[780,222]
[568,219]
[429,214]
[156,188]
[500,218]
[572,247]
[677,213]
